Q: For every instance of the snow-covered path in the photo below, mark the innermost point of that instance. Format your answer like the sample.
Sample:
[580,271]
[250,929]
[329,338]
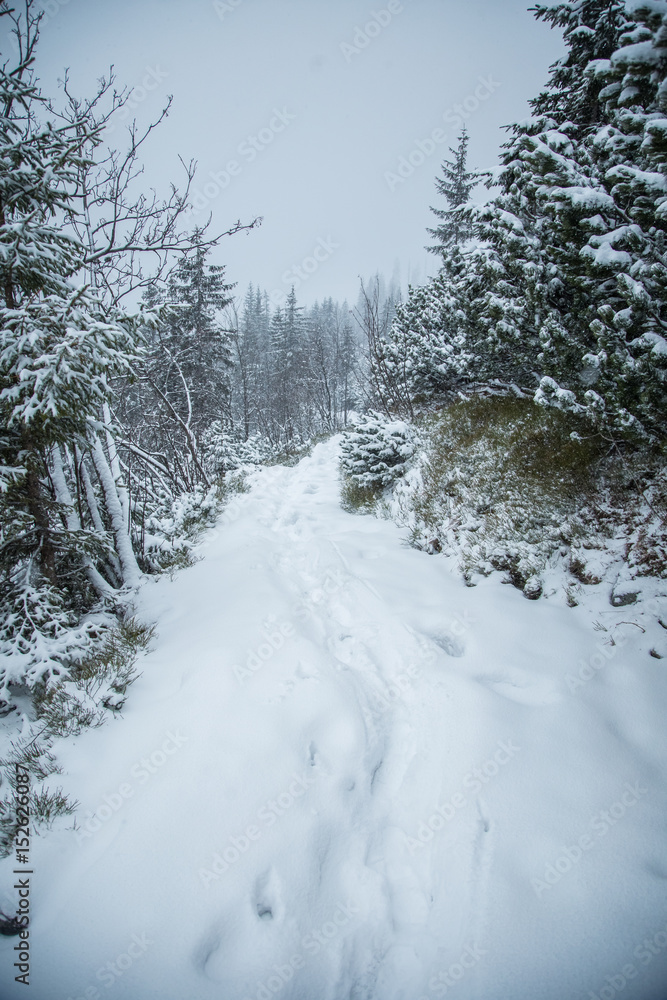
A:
[343,775]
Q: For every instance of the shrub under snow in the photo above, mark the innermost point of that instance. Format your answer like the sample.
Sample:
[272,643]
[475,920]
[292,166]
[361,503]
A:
[375,451]
[223,453]
[506,485]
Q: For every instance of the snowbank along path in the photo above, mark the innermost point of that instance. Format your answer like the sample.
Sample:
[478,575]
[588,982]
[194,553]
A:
[343,775]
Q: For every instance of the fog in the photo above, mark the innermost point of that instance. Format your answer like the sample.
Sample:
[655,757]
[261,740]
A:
[327,119]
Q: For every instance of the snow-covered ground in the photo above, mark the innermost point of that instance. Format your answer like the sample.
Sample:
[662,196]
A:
[343,775]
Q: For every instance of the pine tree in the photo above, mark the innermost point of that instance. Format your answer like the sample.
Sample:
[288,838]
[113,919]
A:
[59,350]
[455,186]
[426,354]
[246,357]
[348,367]
[197,292]
[426,351]
[572,273]
[531,310]
[565,290]
[287,369]
[591,31]
[280,382]
[376,451]
[628,366]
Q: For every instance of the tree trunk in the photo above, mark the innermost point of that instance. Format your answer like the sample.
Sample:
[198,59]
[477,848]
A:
[129,565]
[38,508]
[64,498]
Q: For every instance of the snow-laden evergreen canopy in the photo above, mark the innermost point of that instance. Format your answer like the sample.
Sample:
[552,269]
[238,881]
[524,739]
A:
[457,183]
[563,291]
[59,350]
[375,451]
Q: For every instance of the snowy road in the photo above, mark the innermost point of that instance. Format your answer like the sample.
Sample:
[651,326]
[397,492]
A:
[343,775]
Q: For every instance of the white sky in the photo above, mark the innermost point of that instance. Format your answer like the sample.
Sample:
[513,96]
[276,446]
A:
[321,180]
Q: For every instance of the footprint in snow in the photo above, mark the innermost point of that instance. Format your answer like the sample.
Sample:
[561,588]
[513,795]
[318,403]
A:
[374,773]
[521,688]
[448,643]
[267,897]
[206,950]
[284,691]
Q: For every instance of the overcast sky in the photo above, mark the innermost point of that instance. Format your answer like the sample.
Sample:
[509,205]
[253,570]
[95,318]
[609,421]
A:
[304,110]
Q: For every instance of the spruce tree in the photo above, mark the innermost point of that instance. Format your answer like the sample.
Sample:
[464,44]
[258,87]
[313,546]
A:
[425,354]
[427,351]
[376,451]
[196,293]
[591,31]
[575,273]
[455,186]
